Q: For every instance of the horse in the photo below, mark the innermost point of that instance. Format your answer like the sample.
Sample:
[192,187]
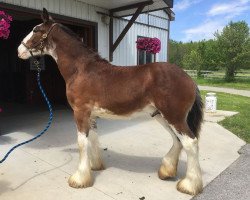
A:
[96,88]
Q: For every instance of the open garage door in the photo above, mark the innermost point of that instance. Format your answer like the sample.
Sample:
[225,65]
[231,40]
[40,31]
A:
[18,78]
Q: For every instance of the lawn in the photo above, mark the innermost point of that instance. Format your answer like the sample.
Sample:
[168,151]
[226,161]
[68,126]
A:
[238,124]
[216,78]
[239,83]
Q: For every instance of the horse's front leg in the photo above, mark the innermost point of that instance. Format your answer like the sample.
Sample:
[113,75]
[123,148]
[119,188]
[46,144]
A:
[96,162]
[83,176]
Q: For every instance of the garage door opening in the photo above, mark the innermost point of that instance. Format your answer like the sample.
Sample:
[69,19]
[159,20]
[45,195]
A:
[18,85]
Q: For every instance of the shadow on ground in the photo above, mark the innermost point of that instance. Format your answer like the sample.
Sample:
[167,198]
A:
[62,131]
[133,163]
[4,186]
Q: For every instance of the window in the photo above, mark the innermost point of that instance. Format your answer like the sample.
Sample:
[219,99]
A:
[144,57]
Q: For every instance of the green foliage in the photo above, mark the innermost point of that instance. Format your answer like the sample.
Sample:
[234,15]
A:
[230,50]
[193,60]
[178,50]
[233,43]
[211,55]
[206,49]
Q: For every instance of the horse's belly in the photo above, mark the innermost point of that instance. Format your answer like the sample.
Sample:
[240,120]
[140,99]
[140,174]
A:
[107,114]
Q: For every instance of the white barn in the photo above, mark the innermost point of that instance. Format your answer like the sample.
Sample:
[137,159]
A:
[109,26]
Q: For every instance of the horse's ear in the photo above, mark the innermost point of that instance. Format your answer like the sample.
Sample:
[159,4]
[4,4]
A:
[45,16]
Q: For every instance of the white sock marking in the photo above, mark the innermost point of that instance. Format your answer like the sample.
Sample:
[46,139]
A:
[83,144]
[172,156]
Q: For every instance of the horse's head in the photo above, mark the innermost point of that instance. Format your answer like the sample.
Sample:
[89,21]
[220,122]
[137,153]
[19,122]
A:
[36,42]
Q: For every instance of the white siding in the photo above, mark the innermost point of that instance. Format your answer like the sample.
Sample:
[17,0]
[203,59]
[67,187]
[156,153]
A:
[143,18]
[76,9]
[157,18]
[160,13]
[158,22]
[126,52]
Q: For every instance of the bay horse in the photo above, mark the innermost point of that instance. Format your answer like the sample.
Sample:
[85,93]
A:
[95,87]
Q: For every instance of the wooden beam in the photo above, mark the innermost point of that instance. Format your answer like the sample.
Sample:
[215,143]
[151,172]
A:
[132,6]
[126,29]
[168,41]
[111,36]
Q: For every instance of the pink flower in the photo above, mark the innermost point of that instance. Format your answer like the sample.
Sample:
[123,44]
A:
[4,25]
[150,45]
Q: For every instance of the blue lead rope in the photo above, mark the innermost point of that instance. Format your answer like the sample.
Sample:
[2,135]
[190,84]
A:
[44,130]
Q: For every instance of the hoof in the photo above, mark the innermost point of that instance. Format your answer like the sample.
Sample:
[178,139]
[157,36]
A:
[189,186]
[166,172]
[79,181]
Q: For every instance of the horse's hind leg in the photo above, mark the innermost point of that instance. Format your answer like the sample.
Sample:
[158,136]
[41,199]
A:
[192,183]
[169,164]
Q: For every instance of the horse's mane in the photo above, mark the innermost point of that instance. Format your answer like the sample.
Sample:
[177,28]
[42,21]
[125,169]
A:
[70,32]
[92,52]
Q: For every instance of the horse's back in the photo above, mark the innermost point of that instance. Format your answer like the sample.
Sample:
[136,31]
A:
[170,77]
[171,70]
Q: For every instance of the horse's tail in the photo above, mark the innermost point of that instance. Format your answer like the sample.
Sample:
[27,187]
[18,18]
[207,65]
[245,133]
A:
[195,115]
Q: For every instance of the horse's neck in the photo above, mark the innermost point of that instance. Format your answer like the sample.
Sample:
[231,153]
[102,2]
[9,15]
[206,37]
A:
[67,54]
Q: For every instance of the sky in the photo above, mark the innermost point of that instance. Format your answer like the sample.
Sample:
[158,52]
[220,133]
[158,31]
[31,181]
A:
[199,19]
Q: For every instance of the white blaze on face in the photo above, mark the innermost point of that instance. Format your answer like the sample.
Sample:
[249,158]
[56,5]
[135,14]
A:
[23,52]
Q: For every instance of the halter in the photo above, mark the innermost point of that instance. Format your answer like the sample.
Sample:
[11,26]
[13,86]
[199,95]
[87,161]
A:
[40,43]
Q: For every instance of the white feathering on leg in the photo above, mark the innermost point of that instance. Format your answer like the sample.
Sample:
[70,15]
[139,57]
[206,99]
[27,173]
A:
[192,183]
[170,161]
[83,176]
[96,162]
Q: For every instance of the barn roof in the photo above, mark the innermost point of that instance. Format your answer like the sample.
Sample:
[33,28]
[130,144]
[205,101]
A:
[128,7]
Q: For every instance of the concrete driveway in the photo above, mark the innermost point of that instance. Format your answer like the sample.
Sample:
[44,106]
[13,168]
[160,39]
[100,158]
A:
[245,93]
[134,150]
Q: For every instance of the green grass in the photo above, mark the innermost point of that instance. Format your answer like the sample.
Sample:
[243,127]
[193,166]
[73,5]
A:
[243,84]
[238,124]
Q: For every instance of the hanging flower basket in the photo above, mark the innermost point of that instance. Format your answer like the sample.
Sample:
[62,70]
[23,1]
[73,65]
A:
[150,45]
[4,25]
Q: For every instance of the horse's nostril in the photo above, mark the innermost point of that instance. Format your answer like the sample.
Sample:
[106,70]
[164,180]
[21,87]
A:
[18,53]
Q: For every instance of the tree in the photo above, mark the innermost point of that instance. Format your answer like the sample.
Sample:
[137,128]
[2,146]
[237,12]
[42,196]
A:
[233,43]
[211,55]
[176,52]
[193,60]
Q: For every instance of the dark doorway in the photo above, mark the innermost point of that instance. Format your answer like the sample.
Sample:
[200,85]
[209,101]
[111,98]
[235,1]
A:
[17,79]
